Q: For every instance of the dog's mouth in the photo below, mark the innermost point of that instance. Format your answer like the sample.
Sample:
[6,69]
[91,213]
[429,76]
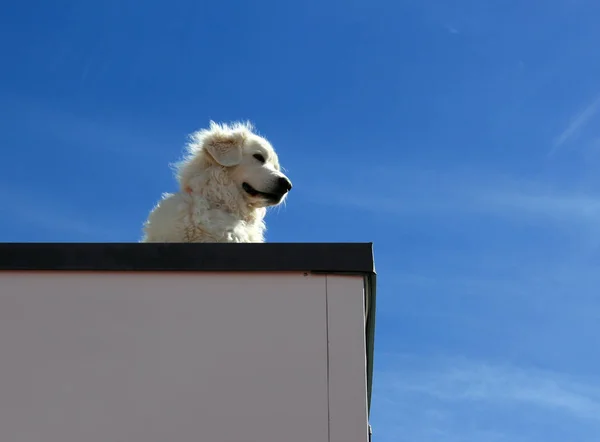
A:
[275,197]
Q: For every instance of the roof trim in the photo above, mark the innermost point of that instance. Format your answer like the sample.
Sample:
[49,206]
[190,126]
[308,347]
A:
[320,257]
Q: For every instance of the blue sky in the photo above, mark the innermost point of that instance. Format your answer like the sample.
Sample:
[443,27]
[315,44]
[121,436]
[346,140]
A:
[461,137]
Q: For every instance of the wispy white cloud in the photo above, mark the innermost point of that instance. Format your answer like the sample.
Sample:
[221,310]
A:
[423,399]
[413,193]
[577,124]
[452,30]
[98,134]
[575,209]
[53,217]
[481,382]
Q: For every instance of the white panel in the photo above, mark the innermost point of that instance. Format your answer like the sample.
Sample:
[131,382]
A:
[348,419]
[162,357]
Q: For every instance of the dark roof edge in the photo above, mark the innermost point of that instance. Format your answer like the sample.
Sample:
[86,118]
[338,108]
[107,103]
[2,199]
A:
[320,257]
[371,293]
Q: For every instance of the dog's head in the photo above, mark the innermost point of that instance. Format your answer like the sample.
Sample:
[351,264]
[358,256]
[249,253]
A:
[247,160]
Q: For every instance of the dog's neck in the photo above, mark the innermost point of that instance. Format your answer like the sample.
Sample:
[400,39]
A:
[216,187]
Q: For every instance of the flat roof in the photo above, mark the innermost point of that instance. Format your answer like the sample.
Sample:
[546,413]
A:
[337,258]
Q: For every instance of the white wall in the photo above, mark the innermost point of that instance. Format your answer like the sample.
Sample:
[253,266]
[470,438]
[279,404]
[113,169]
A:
[178,357]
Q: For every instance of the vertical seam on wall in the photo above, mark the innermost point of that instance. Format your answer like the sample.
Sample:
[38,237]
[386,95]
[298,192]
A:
[327,337]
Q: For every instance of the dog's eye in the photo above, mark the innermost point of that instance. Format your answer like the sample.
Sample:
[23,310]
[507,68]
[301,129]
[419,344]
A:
[259,157]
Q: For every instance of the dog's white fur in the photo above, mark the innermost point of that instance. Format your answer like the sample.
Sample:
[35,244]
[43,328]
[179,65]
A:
[212,204]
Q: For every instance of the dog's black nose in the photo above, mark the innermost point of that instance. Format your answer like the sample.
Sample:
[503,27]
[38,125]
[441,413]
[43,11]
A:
[284,184]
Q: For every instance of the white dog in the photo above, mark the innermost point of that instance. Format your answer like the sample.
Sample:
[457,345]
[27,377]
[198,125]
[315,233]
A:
[227,180]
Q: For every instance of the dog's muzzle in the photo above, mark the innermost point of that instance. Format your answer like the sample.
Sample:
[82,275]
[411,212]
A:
[275,194]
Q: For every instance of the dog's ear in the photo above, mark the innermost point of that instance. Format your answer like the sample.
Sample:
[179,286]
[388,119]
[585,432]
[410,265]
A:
[224,143]
[225,151]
